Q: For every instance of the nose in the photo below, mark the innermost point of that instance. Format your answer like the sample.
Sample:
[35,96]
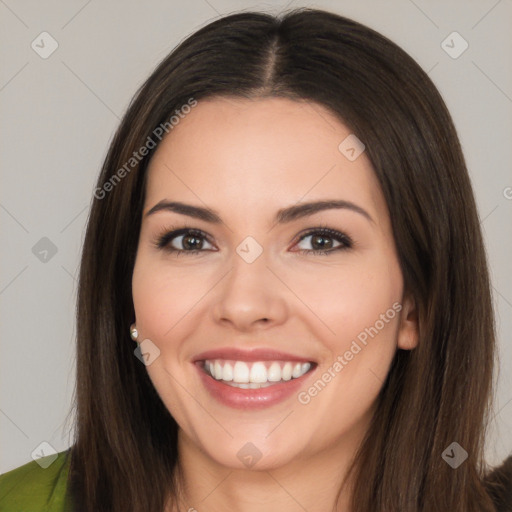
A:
[250,296]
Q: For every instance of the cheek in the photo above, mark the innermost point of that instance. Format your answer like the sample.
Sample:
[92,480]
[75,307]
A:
[365,309]
[363,318]
[162,297]
[353,298]
[161,300]
[359,307]
[365,321]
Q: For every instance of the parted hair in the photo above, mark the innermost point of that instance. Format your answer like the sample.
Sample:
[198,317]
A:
[124,456]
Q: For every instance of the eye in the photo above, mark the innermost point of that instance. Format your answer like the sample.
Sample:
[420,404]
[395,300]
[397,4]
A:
[180,241]
[191,241]
[321,238]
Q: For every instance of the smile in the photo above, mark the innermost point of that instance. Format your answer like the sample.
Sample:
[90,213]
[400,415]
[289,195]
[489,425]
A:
[254,375]
[252,379]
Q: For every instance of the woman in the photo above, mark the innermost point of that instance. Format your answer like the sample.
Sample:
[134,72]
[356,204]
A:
[285,225]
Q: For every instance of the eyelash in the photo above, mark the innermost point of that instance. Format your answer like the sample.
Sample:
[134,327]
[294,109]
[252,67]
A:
[162,242]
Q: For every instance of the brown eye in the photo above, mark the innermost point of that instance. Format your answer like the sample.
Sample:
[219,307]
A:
[183,241]
[323,241]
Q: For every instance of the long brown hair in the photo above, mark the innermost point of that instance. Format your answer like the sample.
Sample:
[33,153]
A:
[125,451]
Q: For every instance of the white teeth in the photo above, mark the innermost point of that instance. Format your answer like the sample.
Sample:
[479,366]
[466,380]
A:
[254,375]
[297,371]
[227,372]
[250,385]
[258,373]
[286,372]
[241,372]
[218,370]
[274,372]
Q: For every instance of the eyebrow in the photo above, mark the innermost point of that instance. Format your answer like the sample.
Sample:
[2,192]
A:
[282,216]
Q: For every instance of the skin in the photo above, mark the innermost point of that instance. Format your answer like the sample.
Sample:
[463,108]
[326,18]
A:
[246,159]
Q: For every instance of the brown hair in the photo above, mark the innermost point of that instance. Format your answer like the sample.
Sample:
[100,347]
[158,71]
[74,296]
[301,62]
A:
[125,451]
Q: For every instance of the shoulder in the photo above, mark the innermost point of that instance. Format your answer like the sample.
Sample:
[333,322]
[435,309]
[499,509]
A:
[499,486]
[36,486]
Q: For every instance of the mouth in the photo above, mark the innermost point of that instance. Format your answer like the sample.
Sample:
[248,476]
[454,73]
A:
[254,375]
[252,379]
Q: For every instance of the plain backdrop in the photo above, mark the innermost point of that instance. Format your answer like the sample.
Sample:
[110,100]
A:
[59,114]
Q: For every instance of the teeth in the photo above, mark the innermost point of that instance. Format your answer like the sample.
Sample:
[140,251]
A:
[250,385]
[217,372]
[240,372]
[297,371]
[254,375]
[258,373]
[274,373]
[227,372]
[286,374]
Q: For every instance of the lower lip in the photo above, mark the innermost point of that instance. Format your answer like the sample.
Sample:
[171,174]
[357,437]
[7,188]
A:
[239,398]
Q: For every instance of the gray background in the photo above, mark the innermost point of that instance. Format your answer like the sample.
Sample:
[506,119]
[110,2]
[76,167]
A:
[59,115]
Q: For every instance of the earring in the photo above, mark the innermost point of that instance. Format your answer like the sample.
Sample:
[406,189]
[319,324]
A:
[134,333]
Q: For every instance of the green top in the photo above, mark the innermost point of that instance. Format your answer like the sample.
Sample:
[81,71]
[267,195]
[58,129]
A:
[32,488]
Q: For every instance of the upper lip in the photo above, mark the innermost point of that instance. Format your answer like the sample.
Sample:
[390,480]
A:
[257,354]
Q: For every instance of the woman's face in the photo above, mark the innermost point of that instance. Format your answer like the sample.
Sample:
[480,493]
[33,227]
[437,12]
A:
[255,302]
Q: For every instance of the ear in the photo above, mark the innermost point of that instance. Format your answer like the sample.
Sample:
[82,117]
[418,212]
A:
[407,338]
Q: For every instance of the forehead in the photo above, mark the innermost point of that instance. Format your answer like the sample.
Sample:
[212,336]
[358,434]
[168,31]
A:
[250,153]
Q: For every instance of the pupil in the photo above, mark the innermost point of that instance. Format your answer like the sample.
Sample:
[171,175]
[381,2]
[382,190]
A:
[187,244]
[320,237]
